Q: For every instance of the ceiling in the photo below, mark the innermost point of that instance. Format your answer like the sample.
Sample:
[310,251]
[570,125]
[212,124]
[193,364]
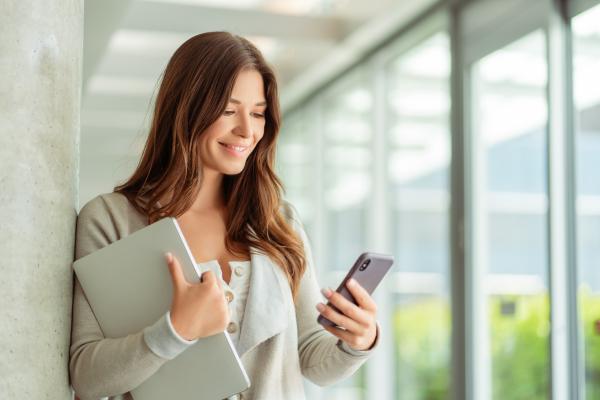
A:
[127,44]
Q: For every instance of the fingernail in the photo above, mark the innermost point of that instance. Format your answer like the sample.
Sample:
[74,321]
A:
[351,282]
[320,306]
[169,257]
[326,292]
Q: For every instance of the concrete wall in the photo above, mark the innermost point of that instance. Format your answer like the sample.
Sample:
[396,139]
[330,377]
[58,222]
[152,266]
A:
[40,84]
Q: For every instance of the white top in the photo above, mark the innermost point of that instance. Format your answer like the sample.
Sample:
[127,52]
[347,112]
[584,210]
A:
[236,292]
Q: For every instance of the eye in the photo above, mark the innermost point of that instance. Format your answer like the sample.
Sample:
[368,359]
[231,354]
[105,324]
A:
[228,112]
[259,115]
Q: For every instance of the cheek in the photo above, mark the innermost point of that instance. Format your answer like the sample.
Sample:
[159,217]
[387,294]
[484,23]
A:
[207,148]
[260,130]
[204,152]
[257,138]
[260,135]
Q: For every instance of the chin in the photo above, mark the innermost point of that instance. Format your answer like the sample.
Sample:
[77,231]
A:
[231,170]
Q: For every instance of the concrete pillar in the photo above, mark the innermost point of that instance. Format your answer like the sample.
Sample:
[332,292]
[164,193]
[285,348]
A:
[41,44]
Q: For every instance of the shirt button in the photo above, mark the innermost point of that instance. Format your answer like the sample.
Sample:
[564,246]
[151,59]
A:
[229,296]
[232,327]
[239,271]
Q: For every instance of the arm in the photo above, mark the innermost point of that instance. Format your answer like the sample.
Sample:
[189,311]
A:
[102,366]
[324,359]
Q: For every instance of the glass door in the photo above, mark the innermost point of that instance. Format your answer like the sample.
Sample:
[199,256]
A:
[418,142]
[586,85]
[507,119]
[510,123]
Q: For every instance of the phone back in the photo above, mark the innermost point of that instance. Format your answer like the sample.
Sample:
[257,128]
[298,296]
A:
[368,270]
[369,275]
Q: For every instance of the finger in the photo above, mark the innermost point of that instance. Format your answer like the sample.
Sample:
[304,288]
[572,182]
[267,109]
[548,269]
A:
[346,336]
[175,270]
[362,297]
[348,308]
[339,319]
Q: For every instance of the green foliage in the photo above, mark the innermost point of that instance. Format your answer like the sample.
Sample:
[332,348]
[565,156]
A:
[422,331]
[589,309]
[519,347]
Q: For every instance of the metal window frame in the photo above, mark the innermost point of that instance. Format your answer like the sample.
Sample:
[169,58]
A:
[319,233]
[570,326]
[380,371]
[478,364]
[461,384]
[572,8]
[565,353]
[484,27]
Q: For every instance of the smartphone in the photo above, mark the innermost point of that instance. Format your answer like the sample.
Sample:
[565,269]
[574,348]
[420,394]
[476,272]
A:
[368,270]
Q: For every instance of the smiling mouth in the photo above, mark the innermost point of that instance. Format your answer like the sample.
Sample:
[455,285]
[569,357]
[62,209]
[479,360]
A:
[237,149]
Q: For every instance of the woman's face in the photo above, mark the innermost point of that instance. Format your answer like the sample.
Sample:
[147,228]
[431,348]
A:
[227,143]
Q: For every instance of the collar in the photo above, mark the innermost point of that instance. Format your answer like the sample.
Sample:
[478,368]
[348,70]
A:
[268,303]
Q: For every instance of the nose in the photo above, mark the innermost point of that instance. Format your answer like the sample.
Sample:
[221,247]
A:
[244,127]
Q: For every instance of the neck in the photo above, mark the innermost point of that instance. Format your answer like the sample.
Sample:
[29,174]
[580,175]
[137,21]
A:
[210,195]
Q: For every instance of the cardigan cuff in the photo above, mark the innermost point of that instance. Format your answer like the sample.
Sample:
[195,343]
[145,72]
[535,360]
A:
[163,340]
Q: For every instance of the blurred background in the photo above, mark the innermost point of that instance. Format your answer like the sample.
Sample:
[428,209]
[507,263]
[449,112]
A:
[463,137]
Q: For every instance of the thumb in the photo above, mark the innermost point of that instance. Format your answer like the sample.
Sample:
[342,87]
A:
[209,278]
[175,270]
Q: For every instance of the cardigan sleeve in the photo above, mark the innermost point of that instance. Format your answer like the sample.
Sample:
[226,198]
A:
[324,359]
[102,366]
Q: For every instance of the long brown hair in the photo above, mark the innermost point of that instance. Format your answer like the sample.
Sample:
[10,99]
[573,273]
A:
[194,92]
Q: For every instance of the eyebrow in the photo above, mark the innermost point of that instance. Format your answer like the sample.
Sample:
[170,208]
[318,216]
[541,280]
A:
[235,101]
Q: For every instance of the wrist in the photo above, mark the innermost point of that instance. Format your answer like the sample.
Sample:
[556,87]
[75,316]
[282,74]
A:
[178,327]
[367,347]
[373,341]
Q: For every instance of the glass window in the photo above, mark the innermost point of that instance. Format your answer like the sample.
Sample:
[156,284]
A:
[347,143]
[347,120]
[509,127]
[417,117]
[586,64]
[296,165]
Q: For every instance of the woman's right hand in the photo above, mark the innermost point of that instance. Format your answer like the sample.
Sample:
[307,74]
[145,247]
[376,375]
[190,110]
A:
[198,309]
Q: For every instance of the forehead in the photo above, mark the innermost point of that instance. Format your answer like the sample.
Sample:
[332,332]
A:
[248,87]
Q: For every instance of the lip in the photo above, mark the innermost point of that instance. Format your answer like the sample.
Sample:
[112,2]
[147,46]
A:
[231,148]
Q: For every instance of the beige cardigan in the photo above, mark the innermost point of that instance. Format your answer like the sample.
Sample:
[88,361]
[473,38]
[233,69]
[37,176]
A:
[279,341]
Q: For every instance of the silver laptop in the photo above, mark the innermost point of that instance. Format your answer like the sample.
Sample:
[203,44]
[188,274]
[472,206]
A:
[129,288]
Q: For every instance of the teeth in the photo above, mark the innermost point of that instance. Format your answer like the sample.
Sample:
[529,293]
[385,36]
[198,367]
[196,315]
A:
[239,149]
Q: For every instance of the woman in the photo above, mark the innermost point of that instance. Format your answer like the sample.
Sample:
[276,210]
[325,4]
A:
[208,162]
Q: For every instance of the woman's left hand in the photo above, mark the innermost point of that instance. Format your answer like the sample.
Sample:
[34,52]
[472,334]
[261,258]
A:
[356,325]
